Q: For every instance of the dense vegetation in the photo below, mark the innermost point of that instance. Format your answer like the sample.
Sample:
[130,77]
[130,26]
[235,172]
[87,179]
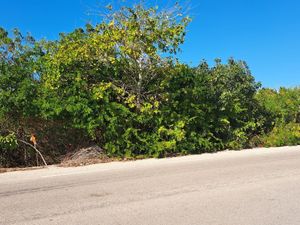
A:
[118,84]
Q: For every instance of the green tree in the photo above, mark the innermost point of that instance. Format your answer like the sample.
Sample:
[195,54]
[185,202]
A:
[216,103]
[18,77]
[108,78]
[284,104]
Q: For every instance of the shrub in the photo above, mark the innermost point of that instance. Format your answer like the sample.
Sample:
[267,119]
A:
[9,154]
[281,135]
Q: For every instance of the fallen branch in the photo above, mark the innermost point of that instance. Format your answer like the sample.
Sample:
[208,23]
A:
[24,142]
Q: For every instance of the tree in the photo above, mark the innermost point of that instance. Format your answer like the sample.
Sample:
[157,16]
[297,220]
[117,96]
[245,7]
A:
[216,103]
[108,78]
[129,46]
[18,79]
[283,103]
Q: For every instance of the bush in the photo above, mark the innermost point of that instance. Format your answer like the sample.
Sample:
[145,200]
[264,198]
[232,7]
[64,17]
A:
[281,135]
[9,154]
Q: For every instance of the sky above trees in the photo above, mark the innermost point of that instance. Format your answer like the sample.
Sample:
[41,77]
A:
[264,33]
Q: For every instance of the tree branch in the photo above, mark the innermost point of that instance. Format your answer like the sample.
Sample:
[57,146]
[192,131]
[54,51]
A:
[26,143]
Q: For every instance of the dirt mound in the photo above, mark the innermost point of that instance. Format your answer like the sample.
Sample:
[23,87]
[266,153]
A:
[85,156]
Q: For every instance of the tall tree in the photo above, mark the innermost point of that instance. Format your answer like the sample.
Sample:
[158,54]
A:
[133,45]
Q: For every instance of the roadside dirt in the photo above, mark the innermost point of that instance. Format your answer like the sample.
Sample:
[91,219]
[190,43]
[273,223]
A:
[95,155]
[4,170]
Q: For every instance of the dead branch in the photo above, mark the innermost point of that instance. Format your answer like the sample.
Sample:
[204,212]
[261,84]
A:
[24,142]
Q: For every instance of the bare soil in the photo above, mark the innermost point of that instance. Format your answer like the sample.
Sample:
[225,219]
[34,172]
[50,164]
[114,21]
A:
[86,156]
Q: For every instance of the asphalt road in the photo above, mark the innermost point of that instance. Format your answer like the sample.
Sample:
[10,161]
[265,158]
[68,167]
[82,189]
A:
[260,187]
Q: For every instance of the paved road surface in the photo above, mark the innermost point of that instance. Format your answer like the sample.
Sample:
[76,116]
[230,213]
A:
[257,187]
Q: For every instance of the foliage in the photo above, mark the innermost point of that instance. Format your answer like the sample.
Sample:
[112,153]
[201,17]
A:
[18,83]
[8,147]
[284,107]
[284,103]
[217,104]
[119,85]
[281,135]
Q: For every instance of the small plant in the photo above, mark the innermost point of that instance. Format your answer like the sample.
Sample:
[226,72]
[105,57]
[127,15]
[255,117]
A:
[8,147]
[8,142]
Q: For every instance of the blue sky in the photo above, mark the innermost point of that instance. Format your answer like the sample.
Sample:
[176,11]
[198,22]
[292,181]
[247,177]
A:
[264,33]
